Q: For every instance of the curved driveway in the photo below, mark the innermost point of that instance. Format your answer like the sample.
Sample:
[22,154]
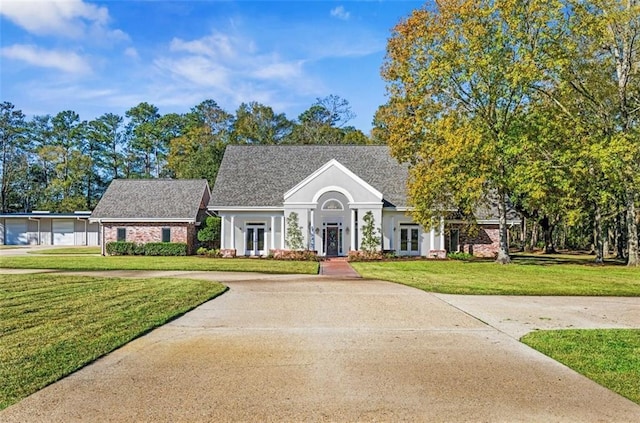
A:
[323,349]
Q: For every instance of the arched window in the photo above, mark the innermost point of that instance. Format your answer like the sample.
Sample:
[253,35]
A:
[332,204]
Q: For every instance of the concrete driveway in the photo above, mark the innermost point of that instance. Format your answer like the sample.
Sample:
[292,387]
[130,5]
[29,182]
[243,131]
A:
[321,349]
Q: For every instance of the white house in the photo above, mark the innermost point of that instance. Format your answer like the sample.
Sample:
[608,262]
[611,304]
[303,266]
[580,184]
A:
[331,188]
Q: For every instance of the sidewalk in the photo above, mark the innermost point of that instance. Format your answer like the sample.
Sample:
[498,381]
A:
[337,267]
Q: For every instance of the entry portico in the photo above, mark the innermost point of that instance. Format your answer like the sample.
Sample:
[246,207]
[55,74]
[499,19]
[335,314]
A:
[329,188]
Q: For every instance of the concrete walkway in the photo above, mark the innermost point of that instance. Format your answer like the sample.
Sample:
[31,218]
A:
[324,349]
[337,268]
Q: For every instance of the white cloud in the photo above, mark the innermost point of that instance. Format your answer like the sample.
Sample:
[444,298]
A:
[69,18]
[279,70]
[131,52]
[340,13]
[65,61]
[214,45]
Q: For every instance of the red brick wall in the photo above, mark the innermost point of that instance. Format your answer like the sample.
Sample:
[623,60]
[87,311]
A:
[484,242]
[141,233]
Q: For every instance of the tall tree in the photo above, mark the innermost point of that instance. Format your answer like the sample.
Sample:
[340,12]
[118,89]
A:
[145,140]
[601,45]
[256,123]
[13,154]
[107,132]
[323,123]
[197,153]
[460,78]
[62,153]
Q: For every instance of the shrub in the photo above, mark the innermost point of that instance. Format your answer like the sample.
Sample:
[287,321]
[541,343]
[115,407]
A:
[294,239]
[121,248]
[214,252]
[201,251]
[299,255]
[210,233]
[370,235]
[165,249]
[459,256]
[361,255]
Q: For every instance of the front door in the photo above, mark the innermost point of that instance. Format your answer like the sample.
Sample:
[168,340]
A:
[255,241]
[333,241]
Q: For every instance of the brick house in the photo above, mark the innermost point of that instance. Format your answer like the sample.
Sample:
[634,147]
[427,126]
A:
[152,210]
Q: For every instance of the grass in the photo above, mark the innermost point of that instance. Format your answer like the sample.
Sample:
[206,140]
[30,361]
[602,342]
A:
[52,325]
[69,250]
[609,357]
[523,277]
[159,263]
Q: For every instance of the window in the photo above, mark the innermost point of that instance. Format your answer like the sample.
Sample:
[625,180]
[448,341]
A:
[454,240]
[409,239]
[166,234]
[332,204]
[122,234]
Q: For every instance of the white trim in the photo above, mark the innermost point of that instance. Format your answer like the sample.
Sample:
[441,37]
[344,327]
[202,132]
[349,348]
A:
[332,163]
[241,209]
[331,188]
[485,221]
[142,220]
[368,204]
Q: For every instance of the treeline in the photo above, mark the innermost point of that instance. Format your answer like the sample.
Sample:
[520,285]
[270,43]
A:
[534,104]
[62,163]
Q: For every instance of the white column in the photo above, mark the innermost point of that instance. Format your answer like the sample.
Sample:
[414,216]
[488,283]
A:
[312,234]
[273,232]
[282,232]
[432,239]
[233,232]
[442,233]
[222,234]
[392,234]
[353,229]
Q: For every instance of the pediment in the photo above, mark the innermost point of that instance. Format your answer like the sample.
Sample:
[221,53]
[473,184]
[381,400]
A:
[333,176]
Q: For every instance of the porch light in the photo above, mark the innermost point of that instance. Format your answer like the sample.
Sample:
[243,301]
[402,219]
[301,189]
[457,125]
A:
[317,230]
[347,230]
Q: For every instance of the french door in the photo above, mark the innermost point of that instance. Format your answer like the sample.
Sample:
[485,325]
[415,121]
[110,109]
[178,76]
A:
[409,240]
[255,241]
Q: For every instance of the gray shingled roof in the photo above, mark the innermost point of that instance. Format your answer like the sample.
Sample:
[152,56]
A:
[149,199]
[259,176]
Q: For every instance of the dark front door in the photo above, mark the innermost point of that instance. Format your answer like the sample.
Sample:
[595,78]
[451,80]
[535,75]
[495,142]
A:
[332,241]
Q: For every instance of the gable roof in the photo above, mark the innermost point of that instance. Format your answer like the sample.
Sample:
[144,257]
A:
[152,200]
[259,176]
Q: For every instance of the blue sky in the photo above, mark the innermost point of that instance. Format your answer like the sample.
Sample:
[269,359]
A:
[95,57]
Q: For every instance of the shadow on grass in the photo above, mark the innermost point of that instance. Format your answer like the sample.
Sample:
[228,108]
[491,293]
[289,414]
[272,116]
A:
[564,258]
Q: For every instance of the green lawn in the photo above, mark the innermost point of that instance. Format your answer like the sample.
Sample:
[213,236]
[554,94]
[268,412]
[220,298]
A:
[158,263]
[609,357]
[69,250]
[523,277]
[52,325]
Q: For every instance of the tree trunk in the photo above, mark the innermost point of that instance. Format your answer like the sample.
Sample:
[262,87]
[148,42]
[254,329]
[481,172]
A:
[503,249]
[533,241]
[620,236]
[633,258]
[523,234]
[547,230]
[597,236]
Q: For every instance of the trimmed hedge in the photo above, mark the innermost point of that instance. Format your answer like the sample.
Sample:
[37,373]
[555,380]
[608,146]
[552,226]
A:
[165,249]
[122,248]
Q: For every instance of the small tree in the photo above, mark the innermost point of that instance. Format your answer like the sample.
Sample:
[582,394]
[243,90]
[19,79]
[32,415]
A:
[294,238]
[370,236]
[210,234]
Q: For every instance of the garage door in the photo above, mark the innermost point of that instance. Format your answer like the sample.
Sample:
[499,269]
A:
[15,232]
[63,232]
